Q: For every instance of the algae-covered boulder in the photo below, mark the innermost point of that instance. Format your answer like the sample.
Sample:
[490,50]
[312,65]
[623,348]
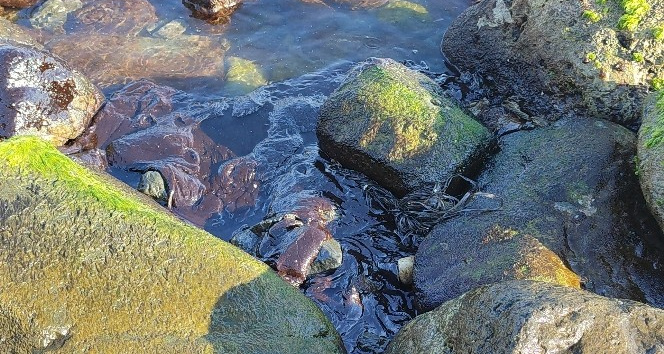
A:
[18,3]
[533,317]
[396,126]
[567,191]
[40,94]
[651,155]
[87,264]
[600,56]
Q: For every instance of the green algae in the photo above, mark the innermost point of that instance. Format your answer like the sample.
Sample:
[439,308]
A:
[655,132]
[402,11]
[592,16]
[634,12]
[243,76]
[84,255]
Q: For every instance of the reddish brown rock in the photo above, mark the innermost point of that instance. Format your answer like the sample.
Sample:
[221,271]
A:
[293,265]
[236,184]
[18,4]
[122,17]
[117,59]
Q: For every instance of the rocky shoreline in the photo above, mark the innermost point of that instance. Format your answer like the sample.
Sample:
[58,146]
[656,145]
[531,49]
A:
[547,244]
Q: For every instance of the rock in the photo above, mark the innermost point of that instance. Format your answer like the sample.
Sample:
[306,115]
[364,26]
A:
[171,30]
[52,14]
[152,184]
[533,317]
[121,17]
[17,35]
[90,264]
[329,257]
[396,126]
[556,56]
[651,155]
[568,191]
[243,76]
[405,269]
[118,59]
[403,12]
[43,96]
[19,4]
[213,11]
[353,4]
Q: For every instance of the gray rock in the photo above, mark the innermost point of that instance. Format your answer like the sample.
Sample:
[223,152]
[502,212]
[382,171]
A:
[153,185]
[568,191]
[396,126]
[52,14]
[329,257]
[556,56]
[43,96]
[533,317]
[651,155]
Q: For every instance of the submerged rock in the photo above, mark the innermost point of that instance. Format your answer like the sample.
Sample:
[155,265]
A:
[651,155]
[555,56]
[568,191]
[214,11]
[19,4]
[43,96]
[122,17]
[114,59]
[88,263]
[396,126]
[52,14]
[533,317]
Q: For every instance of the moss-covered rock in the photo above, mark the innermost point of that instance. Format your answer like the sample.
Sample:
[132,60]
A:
[651,155]
[396,126]
[89,264]
[533,317]
[600,56]
[568,191]
[243,76]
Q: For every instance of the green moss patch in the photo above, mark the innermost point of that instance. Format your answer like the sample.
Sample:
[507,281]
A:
[85,257]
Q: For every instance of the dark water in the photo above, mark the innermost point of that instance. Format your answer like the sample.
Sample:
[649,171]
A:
[276,40]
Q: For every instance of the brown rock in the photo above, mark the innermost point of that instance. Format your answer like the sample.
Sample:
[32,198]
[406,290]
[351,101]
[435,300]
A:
[43,96]
[19,4]
[214,11]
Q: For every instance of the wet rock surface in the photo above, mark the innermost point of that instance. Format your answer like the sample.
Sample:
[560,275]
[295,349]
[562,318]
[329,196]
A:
[72,240]
[214,11]
[273,182]
[396,126]
[19,4]
[117,59]
[651,154]
[568,191]
[123,17]
[533,317]
[553,57]
[41,95]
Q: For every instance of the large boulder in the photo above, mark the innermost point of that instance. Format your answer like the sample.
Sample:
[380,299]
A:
[600,56]
[86,264]
[567,191]
[396,126]
[651,155]
[533,317]
[40,94]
